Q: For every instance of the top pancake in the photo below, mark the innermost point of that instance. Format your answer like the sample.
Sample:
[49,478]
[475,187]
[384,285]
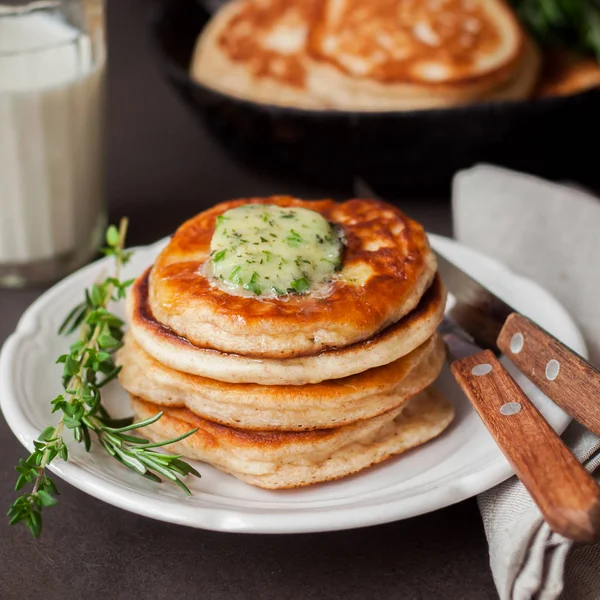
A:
[365,54]
[387,267]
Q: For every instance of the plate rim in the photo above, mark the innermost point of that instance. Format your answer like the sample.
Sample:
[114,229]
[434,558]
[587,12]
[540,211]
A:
[281,521]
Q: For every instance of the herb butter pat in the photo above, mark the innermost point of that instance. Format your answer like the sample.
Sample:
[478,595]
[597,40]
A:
[265,250]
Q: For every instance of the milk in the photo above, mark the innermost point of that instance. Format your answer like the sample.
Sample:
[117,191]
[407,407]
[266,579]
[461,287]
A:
[51,146]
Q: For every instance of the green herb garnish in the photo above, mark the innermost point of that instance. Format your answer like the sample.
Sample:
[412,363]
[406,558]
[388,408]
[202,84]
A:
[87,368]
[266,250]
[294,239]
[253,284]
[300,286]
[335,263]
[574,24]
[234,277]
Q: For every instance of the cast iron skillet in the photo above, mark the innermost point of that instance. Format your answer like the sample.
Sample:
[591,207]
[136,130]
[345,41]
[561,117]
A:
[397,153]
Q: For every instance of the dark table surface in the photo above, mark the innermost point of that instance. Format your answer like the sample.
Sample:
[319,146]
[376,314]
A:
[164,168]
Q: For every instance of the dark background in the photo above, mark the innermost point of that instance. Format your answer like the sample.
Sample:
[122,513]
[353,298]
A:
[162,169]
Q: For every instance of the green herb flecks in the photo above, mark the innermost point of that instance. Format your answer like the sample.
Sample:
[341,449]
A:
[234,277]
[253,285]
[268,247]
[300,286]
[294,239]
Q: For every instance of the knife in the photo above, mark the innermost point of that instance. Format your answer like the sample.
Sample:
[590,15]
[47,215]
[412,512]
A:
[562,374]
[566,494]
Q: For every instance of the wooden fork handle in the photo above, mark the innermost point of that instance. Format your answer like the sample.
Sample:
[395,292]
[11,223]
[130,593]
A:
[567,495]
[562,375]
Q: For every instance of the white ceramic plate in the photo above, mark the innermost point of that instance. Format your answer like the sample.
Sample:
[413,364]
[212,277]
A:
[461,463]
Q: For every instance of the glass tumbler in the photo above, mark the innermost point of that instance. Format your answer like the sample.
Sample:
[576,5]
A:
[52,65]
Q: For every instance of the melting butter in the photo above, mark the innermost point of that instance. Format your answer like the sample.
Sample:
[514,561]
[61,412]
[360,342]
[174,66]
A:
[266,250]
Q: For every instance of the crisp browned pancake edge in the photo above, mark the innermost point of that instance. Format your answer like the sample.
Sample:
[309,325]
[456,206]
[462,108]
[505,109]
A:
[142,315]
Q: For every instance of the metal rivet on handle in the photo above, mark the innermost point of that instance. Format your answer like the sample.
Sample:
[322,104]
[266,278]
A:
[516,343]
[510,408]
[482,369]
[552,369]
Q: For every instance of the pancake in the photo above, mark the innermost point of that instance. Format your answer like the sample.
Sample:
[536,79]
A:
[568,73]
[293,408]
[525,76]
[178,353]
[386,268]
[279,460]
[366,55]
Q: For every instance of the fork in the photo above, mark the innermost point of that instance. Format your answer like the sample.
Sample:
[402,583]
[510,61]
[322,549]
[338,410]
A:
[566,494]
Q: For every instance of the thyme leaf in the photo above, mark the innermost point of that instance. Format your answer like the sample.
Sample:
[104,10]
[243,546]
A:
[87,367]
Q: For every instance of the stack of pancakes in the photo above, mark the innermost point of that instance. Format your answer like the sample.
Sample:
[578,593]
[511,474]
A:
[292,390]
[367,55]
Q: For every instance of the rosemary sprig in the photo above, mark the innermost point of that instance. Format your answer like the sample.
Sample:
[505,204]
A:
[574,24]
[87,368]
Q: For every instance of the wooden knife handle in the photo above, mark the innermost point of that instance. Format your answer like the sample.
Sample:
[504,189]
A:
[567,495]
[562,375]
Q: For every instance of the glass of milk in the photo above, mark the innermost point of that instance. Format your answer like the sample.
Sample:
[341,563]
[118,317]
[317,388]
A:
[52,63]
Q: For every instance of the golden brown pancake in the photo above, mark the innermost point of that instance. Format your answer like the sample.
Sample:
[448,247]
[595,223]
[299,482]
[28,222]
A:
[289,384]
[366,55]
[387,266]
[180,354]
[434,42]
[293,408]
[278,460]
[568,73]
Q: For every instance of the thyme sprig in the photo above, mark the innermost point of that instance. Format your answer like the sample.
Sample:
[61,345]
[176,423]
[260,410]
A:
[87,368]
[571,23]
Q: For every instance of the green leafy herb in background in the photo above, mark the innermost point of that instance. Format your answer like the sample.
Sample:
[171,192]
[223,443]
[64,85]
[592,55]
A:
[571,23]
[87,368]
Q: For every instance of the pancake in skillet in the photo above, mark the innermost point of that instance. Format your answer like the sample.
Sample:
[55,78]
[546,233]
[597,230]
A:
[283,407]
[568,73]
[385,265]
[279,460]
[366,55]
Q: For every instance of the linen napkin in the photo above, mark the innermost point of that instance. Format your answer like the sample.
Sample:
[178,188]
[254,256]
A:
[550,233]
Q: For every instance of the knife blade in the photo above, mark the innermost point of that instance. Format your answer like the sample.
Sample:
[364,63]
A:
[476,310]
[562,374]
